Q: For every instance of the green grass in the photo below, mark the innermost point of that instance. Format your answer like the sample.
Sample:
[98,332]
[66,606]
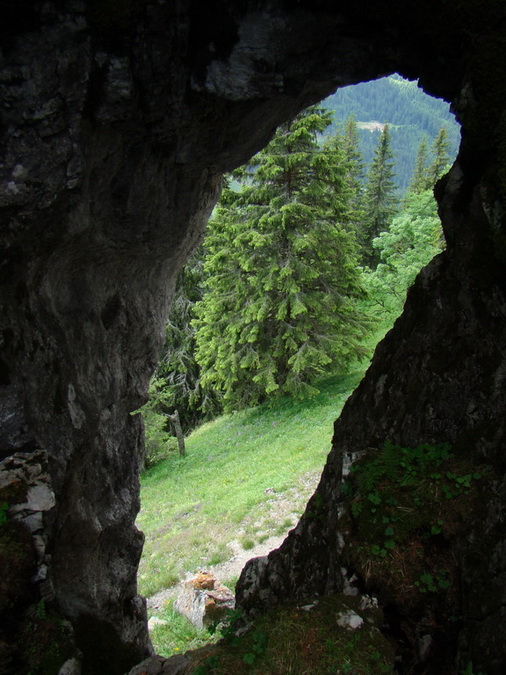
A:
[193,507]
[178,635]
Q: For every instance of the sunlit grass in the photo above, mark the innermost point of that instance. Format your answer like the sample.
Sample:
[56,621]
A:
[192,507]
[176,634]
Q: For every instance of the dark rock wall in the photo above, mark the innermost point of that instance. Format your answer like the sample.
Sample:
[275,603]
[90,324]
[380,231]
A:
[117,120]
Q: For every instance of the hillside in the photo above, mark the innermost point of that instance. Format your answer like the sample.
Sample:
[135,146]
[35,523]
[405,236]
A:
[408,110]
[225,489]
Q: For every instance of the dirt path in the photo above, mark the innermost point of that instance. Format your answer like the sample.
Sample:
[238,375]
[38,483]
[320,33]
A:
[223,571]
[283,508]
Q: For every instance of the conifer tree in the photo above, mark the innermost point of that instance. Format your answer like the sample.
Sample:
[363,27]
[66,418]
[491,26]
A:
[380,200]
[351,152]
[282,275]
[354,173]
[441,159]
[178,375]
[420,179]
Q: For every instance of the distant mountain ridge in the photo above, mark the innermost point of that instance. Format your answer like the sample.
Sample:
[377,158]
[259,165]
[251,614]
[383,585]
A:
[409,112]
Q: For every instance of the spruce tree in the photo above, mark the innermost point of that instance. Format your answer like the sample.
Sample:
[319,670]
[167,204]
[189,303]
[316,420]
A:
[351,152]
[354,173]
[380,200]
[420,179]
[178,375]
[441,158]
[278,311]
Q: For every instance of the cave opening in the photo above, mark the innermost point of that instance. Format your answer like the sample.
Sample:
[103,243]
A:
[159,566]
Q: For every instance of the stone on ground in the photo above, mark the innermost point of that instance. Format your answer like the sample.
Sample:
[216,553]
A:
[203,600]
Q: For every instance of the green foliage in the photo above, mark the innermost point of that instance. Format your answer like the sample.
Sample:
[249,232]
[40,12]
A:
[410,113]
[469,670]
[402,465]
[458,483]
[380,200]
[158,441]
[207,666]
[247,543]
[177,634]
[257,647]
[413,239]
[179,373]
[281,272]
[380,486]
[227,626]
[405,505]
[429,583]
[290,639]
[425,175]
[177,384]
[419,182]
[440,162]
[354,174]
[46,640]
[179,381]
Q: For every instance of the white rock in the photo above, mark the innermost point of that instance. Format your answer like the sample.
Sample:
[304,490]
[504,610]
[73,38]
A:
[40,498]
[368,602]
[349,620]
[308,608]
[18,170]
[12,188]
[155,621]
[349,588]
[34,521]
[70,667]
[203,601]
[41,574]
[40,545]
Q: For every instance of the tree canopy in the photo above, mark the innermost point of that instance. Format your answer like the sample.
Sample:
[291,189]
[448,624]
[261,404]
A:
[281,271]
[413,239]
[380,199]
[275,298]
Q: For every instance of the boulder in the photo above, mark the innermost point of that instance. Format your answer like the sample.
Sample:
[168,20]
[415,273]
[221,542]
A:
[203,600]
[157,665]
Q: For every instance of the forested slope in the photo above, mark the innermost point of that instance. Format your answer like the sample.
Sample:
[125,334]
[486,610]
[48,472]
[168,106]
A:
[406,108]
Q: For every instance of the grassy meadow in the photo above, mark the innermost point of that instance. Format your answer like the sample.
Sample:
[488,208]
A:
[193,506]
[226,489]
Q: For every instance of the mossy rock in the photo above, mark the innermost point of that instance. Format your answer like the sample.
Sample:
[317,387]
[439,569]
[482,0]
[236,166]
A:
[45,642]
[14,493]
[304,640]
[409,513]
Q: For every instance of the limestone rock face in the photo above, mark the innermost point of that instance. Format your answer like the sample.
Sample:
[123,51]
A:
[116,122]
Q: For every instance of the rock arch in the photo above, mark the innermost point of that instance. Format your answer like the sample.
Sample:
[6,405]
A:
[117,121]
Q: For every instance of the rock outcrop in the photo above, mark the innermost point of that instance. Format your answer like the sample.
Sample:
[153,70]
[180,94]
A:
[117,121]
[203,600]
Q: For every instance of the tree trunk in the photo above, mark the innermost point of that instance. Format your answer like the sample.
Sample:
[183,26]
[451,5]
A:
[179,432]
